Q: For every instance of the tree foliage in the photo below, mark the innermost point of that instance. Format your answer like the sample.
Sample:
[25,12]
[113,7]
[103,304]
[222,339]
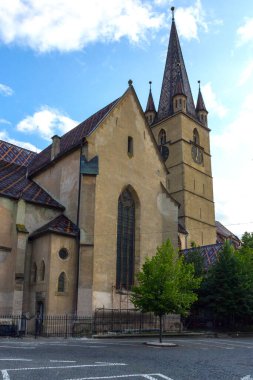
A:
[166,284]
[247,240]
[227,291]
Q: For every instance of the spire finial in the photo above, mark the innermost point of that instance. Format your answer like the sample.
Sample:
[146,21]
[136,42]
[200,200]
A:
[199,84]
[130,82]
[172,10]
[150,82]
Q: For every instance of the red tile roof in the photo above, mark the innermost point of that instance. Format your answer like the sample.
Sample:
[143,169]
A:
[15,184]
[208,252]
[15,155]
[60,225]
[71,139]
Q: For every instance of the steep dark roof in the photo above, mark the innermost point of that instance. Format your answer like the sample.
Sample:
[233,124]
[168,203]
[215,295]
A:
[15,184]
[150,103]
[60,225]
[174,64]
[224,234]
[71,139]
[15,155]
[209,252]
[200,103]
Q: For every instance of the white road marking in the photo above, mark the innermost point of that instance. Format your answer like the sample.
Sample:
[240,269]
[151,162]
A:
[163,376]
[19,348]
[17,359]
[5,375]
[66,367]
[63,361]
[248,377]
[147,376]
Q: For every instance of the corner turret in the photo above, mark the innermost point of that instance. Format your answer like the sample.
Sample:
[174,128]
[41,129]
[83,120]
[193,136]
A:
[201,108]
[150,112]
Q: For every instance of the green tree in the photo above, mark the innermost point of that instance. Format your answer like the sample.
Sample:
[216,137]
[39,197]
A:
[227,289]
[247,240]
[166,284]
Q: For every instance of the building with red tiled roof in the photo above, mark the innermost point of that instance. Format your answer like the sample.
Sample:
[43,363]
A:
[79,218]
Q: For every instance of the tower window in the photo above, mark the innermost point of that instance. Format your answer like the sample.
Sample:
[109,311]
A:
[130,146]
[162,137]
[195,137]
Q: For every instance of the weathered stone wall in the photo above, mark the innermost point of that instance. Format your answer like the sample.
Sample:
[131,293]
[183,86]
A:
[61,180]
[156,213]
[190,183]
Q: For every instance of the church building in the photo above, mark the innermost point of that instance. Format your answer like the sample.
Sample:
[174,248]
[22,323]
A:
[79,218]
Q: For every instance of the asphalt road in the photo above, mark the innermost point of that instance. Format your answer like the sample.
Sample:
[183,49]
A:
[88,359]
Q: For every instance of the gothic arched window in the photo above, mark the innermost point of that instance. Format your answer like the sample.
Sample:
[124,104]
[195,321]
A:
[162,137]
[62,283]
[34,273]
[42,270]
[195,137]
[125,241]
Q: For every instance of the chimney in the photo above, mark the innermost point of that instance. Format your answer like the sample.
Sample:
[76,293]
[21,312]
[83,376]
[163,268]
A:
[55,148]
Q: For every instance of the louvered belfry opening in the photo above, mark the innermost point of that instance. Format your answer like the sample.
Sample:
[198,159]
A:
[125,241]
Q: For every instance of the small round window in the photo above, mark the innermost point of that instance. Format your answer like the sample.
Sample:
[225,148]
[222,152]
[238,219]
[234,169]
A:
[63,254]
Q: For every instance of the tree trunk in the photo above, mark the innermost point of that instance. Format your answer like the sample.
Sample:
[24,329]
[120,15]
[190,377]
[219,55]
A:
[160,329]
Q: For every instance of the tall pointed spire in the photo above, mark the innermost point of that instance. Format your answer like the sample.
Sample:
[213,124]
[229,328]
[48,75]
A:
[174,62]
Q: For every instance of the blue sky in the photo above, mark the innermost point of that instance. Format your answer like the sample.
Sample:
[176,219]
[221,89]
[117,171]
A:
[63,60]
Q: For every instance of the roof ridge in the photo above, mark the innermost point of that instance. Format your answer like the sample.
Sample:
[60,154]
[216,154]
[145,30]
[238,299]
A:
[17,146]
[71,139]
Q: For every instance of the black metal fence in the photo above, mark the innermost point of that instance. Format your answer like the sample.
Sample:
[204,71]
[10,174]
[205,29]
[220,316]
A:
[132,321]
[103,321]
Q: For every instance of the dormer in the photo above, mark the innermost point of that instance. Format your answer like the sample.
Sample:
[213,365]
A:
[179,97]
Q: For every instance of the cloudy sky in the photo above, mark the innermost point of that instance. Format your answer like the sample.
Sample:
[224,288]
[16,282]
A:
[63,60]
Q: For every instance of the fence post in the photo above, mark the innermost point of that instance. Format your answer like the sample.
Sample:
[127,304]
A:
[66,326]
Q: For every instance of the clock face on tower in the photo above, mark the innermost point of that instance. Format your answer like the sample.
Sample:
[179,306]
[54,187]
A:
[197,154]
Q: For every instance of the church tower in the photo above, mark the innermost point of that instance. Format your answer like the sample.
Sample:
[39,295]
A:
[182,135]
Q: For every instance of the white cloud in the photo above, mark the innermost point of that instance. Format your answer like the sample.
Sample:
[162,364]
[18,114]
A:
[246,74]
[232,170]
[4,136]
[163,3]
[6,90]
[190,19]
[66,25]
[245,32]
[211,101]
[46,122]
[4,121]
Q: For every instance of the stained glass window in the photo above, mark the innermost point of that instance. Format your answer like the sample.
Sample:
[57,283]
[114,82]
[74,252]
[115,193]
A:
[125,241]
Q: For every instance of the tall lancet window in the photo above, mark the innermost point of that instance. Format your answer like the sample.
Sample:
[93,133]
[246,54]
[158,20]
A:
[162,137]
[125,241]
